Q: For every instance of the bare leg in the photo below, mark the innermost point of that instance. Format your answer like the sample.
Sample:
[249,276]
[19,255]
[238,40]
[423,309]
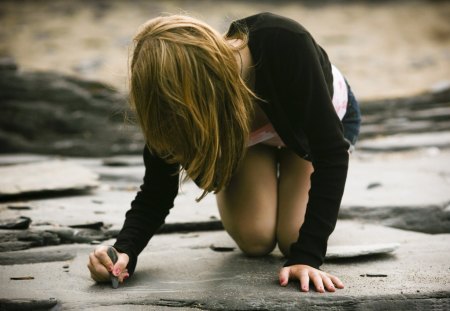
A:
[294,184]
[248,206]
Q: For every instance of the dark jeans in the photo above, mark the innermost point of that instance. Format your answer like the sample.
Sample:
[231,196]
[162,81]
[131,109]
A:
[352,118]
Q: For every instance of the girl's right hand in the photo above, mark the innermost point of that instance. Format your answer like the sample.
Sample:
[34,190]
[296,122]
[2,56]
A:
[100,265]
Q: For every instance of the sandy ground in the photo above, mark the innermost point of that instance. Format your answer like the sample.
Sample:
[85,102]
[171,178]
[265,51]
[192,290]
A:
[386,49]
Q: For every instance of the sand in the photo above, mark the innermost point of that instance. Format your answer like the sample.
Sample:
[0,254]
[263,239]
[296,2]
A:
[385,49]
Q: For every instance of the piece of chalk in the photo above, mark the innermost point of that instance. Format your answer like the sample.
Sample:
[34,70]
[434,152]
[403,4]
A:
[113,255]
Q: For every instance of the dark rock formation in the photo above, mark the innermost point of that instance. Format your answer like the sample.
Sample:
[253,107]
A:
[428,219]
[51,113]
[428,112]
[29,304]
[13,240]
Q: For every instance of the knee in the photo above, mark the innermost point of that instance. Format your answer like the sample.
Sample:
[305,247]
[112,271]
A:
[284,247]
[285,241]
[256,243]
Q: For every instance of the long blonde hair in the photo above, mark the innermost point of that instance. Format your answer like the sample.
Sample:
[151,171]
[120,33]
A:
[192,105]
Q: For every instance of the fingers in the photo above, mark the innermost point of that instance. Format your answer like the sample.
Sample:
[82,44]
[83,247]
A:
[123,276]
[317,280]
[102,255]
[322,281]
[336,281]
[100,265]
[284,276]
[121,264]
[304,280]
[97,269]
[328,283]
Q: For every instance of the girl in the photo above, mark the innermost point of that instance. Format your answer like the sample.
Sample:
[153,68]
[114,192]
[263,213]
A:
[258,116]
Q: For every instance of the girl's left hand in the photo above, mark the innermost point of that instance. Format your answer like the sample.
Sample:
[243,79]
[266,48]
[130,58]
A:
[304,273]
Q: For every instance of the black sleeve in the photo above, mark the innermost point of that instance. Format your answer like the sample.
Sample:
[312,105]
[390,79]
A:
[307,106]
[149,208]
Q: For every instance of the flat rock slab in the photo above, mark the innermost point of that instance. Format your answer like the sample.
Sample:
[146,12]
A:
[402,142]
[29,304]
[35,256]
[46,176]
[183,271]
[407,190]
[397,189]
[352,251]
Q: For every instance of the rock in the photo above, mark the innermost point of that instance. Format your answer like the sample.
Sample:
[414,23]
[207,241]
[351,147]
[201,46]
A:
[11,246]
[29,304]
[123,161]
[27,257]
[12,240]
[44,177]
[18,207]
[414,193]
[427,219]
[22,278]
[222,248]
[95,225]
[51,235]
[40,238]
[191,226]
[401,142]
[422,113]
[51,113]
[86,118]
[68,235]
[8,63]
[19,223]
[374,185]
[352,251]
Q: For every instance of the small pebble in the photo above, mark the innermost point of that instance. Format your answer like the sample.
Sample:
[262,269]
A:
[374,275]
[19,207]
[373,185]
[221,248]
[22,278]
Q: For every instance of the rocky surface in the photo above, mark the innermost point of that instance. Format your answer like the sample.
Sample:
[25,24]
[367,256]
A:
[182,271]
[51,113]
[43,177]
[192,270]
[423,113]
[396,201]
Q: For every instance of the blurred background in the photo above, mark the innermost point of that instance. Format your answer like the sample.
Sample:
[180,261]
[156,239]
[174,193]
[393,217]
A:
[386,49]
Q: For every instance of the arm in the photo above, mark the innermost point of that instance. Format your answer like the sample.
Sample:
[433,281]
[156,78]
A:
[150,207]
[302,105]
[324,132]
[300,102]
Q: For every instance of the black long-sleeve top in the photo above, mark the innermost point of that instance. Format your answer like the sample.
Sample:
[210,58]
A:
[294,80]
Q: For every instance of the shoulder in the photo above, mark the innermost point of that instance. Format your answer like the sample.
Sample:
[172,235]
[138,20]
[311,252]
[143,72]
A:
[267,23]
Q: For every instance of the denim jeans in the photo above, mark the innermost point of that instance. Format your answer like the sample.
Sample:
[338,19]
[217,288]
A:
[352,119]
